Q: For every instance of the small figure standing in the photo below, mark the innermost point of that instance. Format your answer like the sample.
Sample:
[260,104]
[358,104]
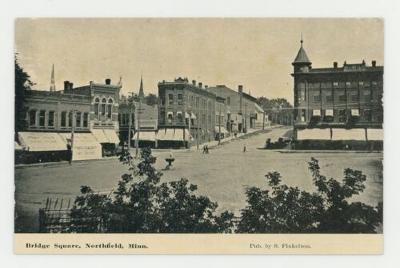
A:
[244,148]
[69,152]
[204,149]
[207,149]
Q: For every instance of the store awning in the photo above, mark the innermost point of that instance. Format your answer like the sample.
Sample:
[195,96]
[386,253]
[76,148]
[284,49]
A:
[375,134]
[100,136]
[355,112]
[111,135]
[170,134]
[41,141]
[85,146]
[17,146]
[357,134]
[314,134]
[145,136]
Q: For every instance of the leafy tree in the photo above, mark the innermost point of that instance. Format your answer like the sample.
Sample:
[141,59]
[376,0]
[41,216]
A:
[22,82]
[287,209]
[279,110]
[142,204]
[151,99]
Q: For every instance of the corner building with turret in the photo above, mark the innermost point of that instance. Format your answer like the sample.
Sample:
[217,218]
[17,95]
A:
[337,107]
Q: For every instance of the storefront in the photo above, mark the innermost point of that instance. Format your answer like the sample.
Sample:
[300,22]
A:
[85,146]
[108,140]
[173,138]
[41,147]
[146,139]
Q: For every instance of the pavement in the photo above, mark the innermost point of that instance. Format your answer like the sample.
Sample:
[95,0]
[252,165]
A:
[222,175]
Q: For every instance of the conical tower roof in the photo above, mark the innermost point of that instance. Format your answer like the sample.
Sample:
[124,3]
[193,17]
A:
[301,55]
[141,91]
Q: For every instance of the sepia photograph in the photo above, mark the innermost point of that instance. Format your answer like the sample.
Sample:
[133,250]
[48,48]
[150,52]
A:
[250,126]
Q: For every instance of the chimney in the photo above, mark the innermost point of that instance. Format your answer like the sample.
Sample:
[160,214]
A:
[335,64]
[206,86]
[66,85]
[108,81]
[71,85]
[194,82]
[200,84]
[374,63]
[240,89]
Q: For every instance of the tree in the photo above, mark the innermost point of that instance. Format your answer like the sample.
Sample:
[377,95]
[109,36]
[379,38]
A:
[141,204]
[279,110]
[151,99]
[22,82]
[289,210]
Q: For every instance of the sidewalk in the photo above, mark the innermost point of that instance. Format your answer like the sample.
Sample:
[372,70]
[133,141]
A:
[213,144]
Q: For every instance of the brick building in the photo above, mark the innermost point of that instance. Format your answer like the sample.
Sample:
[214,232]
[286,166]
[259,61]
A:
[85,117]
[186,113]
[337,103]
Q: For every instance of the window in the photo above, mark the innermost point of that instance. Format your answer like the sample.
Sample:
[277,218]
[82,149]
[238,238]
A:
[354,96]
[361,83]
[302,95]
[341,115]
[180,99]
[342,96]
[366,115]
[32,118]
[85,119]
[120,118]
[170,117]
[162,117]
[335,84]
[109,110]
[316,97]
[197,102]
[42,118]
[50,123]
[70,119]
[103,106]
[228,100]
[63,119]
[96,106]
[180,117]
[303,115]
[78,119]
[328,96]
[170,99]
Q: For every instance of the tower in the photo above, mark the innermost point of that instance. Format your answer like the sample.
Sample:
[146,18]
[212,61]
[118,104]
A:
[301,63]
[141,92]
[52,80]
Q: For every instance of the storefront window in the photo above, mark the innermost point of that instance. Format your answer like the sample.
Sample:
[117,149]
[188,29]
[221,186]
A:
[63,119]
[78,119]
[42,118]
[50,123]
[85,119]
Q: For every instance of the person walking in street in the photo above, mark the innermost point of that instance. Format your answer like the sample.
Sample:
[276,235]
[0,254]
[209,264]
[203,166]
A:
[69,153]
[244,148]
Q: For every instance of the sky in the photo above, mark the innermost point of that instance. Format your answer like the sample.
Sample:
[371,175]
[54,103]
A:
[254,52]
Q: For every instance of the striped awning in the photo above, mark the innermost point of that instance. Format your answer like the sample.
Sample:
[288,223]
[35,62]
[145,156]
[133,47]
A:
[41,141]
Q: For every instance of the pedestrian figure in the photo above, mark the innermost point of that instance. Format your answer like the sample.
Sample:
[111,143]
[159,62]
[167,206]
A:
[207,149]
[69,153]
[244,148]
[204,149]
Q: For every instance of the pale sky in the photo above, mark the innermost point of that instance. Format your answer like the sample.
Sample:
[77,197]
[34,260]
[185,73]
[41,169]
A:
[256,53]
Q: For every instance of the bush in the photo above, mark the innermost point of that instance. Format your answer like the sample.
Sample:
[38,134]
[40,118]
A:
[141,204]
[289,210]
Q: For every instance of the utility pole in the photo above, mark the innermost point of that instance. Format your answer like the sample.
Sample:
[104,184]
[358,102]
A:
[72,132]
[263,125]
[130,102]
[139,111]
[219,124]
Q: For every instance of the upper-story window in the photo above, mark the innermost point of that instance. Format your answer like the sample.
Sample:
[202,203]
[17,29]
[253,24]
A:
[85,119]
[316,97]
[109,110]
[348,84]
[335,84]
[32,118]
[302,95]
[103,106]
[180,99]
[70,115]
[78,119]
[180,117]
[328,96]
[354,96]
[63,119]
[42,118]
[50,122]
[96,106]
[170,99]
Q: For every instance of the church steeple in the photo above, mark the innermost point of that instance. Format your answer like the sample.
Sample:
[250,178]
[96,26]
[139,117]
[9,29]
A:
[141,92]
[52,80]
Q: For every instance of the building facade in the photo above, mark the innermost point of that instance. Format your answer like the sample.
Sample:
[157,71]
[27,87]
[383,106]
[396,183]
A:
[242,110]
[187,110]
[337,103]
[84,118]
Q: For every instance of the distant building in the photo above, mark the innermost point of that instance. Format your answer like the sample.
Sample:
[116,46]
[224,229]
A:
[337,103]
[243,112]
